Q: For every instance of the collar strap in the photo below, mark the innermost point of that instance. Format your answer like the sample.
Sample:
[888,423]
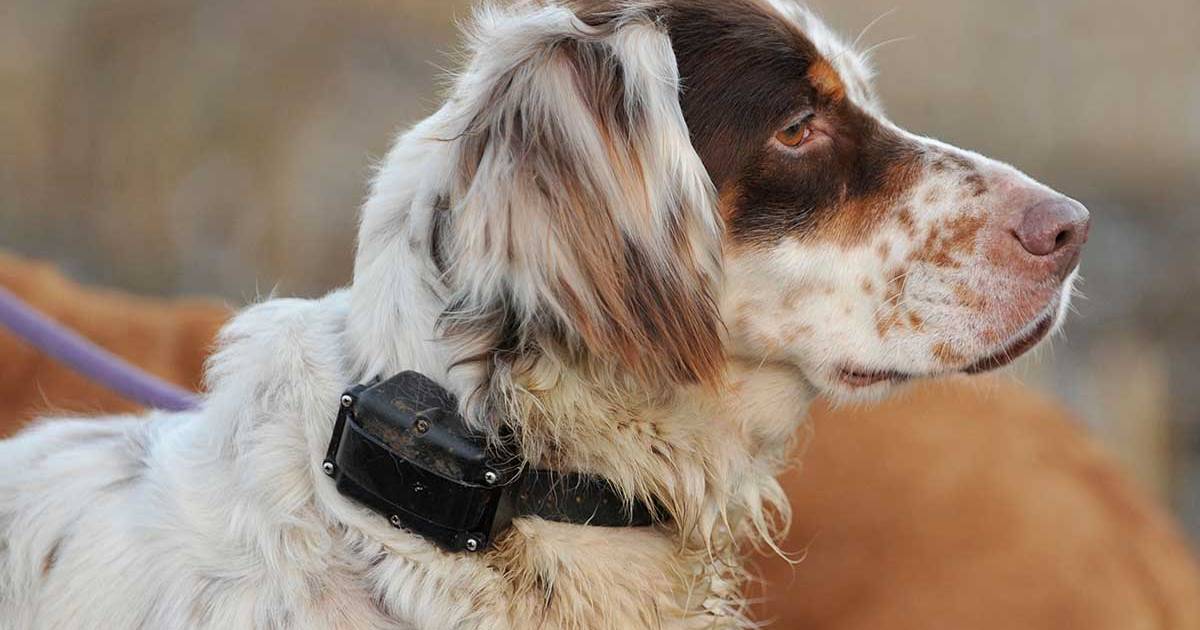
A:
[400,448]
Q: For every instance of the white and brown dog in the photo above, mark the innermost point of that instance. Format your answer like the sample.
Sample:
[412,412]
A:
[640,235]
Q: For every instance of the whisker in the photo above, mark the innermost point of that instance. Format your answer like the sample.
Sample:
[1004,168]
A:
[894,40]
[893,300]
[866,29]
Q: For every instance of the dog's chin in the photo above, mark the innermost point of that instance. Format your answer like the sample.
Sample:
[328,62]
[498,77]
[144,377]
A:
[853,382]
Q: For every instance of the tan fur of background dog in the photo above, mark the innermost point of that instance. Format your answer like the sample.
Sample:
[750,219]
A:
[954,505]
[977,506]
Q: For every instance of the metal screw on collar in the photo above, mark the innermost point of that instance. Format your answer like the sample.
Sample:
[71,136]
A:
[490,478]
[422,425]
[347,400]
[472,544]
[327,467]
[394,520]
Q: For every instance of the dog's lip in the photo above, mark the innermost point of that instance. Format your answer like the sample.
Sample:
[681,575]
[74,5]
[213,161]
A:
[857,377]
[1016,348]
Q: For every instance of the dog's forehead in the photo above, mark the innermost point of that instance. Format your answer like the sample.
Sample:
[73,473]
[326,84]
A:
[852,68]
[778,23]
[733,24]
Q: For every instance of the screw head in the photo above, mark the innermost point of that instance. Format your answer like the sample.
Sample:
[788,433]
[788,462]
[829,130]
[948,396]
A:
[394,520]
[347,400]
[327,467]
[490,477]
[422,425]
[472,544]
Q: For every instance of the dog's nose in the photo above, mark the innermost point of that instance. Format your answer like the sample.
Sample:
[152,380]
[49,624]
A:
[1055,228]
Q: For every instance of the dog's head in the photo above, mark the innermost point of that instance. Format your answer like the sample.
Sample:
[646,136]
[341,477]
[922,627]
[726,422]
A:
[657,185]
[861,252]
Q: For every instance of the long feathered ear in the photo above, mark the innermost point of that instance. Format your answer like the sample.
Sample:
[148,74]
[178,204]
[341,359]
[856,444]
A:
[581,215]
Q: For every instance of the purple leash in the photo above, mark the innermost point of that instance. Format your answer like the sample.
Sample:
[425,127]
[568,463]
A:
[87,358]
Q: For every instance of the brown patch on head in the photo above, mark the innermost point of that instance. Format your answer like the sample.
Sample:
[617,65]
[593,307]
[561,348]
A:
[950,240]
[930,250]
[827,80]
[884,250]
[916,322]
[975,184]
[970,299]
[854,221]
[962,232]
[947,355]
[971,180]
[960,163]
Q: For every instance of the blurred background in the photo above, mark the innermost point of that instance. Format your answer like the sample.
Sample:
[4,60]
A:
[222,147]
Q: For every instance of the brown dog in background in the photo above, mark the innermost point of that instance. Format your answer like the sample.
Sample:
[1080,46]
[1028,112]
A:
[973,506]
[952,506]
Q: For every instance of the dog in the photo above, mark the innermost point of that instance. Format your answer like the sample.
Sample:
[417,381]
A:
[927,510]
[640,237]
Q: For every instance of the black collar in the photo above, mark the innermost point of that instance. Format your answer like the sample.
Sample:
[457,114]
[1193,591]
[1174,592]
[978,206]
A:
[400,448]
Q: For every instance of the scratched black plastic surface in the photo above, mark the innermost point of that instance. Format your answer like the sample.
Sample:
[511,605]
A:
[416,418]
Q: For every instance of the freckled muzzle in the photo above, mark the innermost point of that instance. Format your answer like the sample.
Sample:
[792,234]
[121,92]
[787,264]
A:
[1033,245]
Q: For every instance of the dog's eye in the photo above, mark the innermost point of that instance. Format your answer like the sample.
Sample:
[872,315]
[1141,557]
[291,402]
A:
[796,134]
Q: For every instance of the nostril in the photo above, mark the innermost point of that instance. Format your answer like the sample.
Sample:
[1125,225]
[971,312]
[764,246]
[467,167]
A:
[1062,239]
[1052,226]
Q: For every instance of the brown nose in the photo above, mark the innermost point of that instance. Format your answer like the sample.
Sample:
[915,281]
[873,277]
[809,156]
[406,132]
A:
[1055,227]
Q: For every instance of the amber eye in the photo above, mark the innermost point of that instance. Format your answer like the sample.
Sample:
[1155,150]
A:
[796,134]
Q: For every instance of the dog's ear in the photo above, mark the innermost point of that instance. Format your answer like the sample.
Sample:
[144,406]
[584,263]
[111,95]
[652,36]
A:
[580,213]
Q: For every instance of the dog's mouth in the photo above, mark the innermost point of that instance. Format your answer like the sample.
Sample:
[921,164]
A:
[856,377]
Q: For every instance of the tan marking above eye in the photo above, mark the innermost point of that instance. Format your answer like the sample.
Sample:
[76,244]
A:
[827,80]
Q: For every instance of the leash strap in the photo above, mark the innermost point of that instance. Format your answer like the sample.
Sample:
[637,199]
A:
[400,448]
